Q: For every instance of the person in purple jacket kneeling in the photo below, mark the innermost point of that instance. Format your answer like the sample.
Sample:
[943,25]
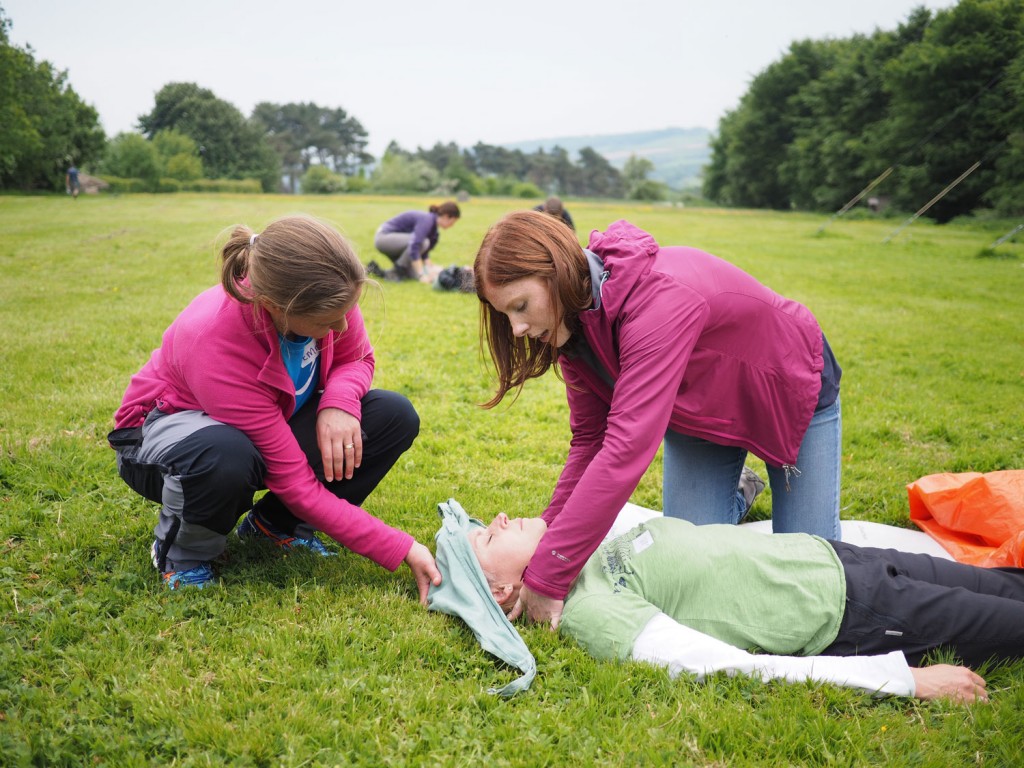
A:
[263,382]
[408,238]
[658,344]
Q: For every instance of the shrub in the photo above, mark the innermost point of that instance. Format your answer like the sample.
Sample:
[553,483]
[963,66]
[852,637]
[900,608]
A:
[648,189]
[168,185]
[183,167]
[397,173]
[526,190]
[356,183]
[240,186]
[130,156]
[319,180]
[121,185]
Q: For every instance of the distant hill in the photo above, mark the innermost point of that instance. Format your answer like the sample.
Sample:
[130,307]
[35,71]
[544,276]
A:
[678,154]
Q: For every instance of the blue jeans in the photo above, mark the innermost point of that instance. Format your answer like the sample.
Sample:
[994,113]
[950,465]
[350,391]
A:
[701,477]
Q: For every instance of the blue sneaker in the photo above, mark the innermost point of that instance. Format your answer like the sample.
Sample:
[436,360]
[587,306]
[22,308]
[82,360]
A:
[197,577]
[254,526]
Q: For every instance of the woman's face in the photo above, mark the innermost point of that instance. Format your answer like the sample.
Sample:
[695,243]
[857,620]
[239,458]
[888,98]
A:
[530,311]
[444,221]
[504,547]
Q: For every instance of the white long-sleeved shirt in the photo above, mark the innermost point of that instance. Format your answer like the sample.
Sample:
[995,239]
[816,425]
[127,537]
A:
[681,650]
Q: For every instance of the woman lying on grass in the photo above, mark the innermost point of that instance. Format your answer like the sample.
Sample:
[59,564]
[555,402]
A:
[692,598]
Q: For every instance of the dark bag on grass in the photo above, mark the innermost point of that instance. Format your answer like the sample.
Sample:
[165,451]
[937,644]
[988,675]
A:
[455,278]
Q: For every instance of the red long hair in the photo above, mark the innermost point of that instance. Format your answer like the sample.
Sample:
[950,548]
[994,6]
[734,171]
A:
[528,244]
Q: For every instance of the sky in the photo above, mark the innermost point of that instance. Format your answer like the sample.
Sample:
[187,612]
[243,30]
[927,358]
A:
[450,71]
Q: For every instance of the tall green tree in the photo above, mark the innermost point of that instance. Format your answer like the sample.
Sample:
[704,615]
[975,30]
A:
[563,170]
[44,125]
[1006,195]
[955,102]
[751,147]
[230,146]
[306,133]
[598,177]
[438,156]
[929,99]
[837,119]
[499,161]
[638,186]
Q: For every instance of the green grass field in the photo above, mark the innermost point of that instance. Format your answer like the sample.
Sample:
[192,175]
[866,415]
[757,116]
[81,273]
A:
[298,662]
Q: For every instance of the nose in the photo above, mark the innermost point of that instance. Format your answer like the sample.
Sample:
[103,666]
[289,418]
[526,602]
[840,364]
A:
[519,328]
[502,520]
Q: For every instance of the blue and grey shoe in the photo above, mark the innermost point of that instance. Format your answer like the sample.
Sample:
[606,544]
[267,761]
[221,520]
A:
[254,526]
[750,486]
[197,577]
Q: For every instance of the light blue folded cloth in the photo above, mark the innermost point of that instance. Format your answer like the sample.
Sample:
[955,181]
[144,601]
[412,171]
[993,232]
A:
[464,594]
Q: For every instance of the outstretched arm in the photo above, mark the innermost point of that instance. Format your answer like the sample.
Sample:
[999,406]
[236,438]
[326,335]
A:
[667,643]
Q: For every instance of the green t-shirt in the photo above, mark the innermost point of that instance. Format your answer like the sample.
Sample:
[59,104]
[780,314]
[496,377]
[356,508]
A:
[777,593]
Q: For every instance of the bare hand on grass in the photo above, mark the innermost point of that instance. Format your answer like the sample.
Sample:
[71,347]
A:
[423,568]
[945,681]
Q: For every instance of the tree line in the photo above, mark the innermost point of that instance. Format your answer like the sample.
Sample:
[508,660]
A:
[903,113]
[912,109]
[191,135]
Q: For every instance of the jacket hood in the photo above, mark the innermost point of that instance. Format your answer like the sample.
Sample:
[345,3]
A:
[628,254]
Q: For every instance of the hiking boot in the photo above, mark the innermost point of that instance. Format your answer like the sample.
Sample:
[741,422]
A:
[255,527]
[750,486]
[197,577]
[373,269]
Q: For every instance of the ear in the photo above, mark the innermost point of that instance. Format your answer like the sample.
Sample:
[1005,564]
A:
[502,593]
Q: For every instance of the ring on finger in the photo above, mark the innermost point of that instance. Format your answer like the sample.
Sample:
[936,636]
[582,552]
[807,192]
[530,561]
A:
[349,445]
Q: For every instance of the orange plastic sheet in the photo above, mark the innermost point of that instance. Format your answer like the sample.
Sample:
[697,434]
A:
[977,518]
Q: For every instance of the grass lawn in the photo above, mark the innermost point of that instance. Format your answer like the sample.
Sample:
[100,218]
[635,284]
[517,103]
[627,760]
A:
[295,661]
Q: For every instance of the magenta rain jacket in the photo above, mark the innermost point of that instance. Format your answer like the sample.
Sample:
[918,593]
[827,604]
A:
[221,358]
[694,344]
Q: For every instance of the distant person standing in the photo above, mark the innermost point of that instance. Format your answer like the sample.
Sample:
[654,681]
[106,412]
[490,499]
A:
[408,238]
[71,182]
[553,206]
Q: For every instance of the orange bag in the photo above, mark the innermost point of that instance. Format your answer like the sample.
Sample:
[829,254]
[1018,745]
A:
[977,518]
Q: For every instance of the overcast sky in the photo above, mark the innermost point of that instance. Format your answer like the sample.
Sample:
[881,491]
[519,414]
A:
[450,70]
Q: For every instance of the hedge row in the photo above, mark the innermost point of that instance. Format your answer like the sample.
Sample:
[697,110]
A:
[239,186]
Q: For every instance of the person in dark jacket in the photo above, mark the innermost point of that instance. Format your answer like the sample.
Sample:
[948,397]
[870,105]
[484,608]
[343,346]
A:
[554,207]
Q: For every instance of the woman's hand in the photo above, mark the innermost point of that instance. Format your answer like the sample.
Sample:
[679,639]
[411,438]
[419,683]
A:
[423,568]
[340,441]
[537,607]
[944,681]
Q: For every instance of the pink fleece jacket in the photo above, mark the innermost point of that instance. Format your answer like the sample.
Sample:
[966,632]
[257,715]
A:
[694,344]
[221,357]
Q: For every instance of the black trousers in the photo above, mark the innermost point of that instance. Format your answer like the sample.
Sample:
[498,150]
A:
[205,473]
[389,426]
[898,601]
